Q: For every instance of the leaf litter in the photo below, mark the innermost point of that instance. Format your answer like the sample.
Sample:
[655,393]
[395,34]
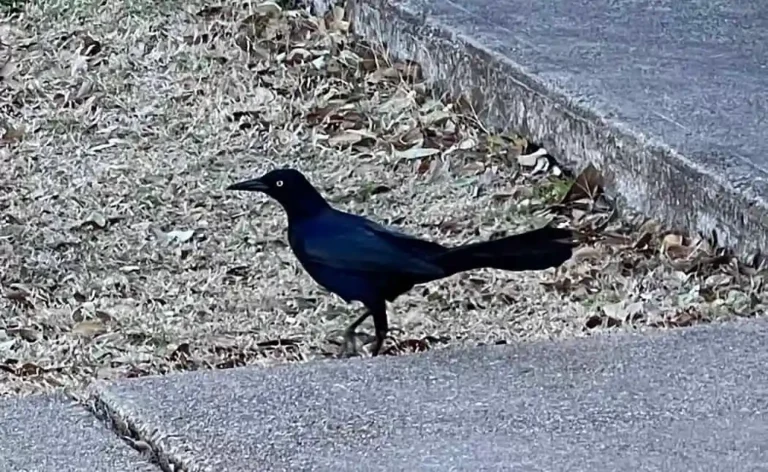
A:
[122,255]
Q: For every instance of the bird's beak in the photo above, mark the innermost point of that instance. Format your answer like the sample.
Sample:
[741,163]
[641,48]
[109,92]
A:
[253,185]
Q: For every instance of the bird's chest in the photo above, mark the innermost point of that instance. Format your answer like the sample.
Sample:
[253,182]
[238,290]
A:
[348,284]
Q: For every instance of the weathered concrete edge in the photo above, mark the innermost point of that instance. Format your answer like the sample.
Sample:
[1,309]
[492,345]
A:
[171,454]
[77,408]
[648,177]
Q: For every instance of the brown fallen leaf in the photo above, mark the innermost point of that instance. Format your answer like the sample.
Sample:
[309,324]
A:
[89,328]
[674,247]
[27,334]
[181,353]
[588,185]
[412,137]
[29,369]
[11,135]
[597,321]
[350,137]
[317,115]
[19,294]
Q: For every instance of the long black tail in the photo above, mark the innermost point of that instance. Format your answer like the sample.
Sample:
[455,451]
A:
[534,250]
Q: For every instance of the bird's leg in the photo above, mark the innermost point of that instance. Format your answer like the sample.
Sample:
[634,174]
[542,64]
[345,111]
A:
[349,348]
[381,325]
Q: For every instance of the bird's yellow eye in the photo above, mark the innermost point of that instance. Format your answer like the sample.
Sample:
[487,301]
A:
[279,183]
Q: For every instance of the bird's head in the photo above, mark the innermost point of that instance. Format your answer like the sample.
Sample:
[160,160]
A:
[290,188]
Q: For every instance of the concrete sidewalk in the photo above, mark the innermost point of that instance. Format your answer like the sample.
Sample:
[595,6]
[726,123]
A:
[55,434]
[669,100]
[683,400]
[692,399]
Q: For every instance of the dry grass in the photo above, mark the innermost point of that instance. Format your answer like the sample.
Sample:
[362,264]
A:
[122,256]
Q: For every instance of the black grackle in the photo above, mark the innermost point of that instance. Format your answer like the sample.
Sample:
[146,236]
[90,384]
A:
[358,259]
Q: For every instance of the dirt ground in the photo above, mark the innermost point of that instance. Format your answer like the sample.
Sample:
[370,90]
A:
[121,255]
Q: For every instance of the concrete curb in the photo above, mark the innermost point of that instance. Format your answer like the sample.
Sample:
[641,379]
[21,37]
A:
[711,195]
[168,453]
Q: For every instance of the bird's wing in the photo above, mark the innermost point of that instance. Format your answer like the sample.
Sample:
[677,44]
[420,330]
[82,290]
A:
[406,242]
[359,248]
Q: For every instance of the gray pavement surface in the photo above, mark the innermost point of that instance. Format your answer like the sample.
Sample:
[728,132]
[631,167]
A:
[683,400]
[52,433]
[668,98]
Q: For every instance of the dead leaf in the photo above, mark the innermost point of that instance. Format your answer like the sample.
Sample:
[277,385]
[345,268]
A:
[436,118]
[530,160]
[196,39]
[104,316]
[90,46]
[349,137]
[416,153]
[674,247]
[372,61]
[95,220]
[334,20]
[349,58]
[12,135]
[634,311]
[680,318]
[89,328]
[586,253]
[596,321]
[250,45]
[211,11]
[269,9]
[27,334]
[411,138]
[381,75]
[7,70]
[467,143]
[588,185]
[254,26]
[85,91]
[718,280]
[181,353]
[614,310]
[19,294]
[29,369]
[179,236]
[298,56]
[409,71]
[643,241]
